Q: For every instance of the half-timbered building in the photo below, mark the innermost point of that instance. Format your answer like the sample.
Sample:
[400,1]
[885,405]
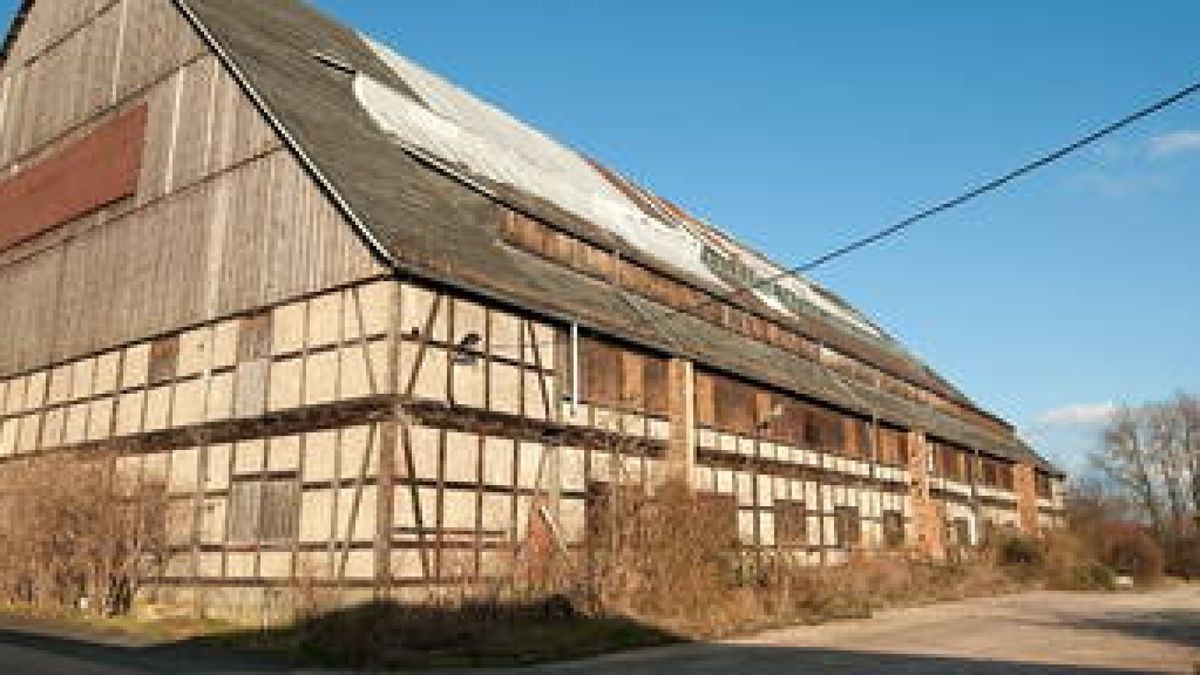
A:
[370,328]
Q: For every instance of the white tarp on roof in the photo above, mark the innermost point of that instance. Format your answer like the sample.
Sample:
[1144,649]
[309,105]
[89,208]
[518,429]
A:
[463,131]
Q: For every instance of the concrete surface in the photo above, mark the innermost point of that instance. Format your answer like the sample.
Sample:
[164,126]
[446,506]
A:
[1035,632]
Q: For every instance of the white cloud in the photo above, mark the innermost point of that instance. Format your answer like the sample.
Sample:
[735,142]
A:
[1122,184]
[1175,142]
[1079,414]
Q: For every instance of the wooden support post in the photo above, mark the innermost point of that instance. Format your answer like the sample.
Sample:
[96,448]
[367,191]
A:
[385,492]
[681,409]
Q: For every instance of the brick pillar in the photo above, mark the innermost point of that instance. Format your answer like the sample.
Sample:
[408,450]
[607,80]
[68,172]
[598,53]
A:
[928,520]
[1026,490]
[681,409]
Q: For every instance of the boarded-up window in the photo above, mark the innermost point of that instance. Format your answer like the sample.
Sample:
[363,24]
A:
[814,431]
[997,474]
[893,529]
[254,337]
[950,462]
[164,360]
[788,426]
[656,386]
[847,526]
[619,377]
[735,405]
[791,523]
[960,532]
[824,430]
[601,370]
[253,364]
[990,478]
[1006,475]
[860,444]
[706,414]
[1042,486]
[264,510]
[893,447]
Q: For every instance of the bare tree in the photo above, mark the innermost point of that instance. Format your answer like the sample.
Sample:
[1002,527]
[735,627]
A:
[1189,411]
[74,528]
[1164,434]
[1124,458]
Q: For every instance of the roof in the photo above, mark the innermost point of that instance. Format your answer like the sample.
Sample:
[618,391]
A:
[426,173]
[432,211]
[18,22]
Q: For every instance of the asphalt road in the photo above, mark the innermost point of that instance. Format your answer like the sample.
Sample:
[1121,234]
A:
[1034,632]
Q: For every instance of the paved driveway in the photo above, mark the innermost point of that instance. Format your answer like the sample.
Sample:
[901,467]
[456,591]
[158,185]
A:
[1034,632]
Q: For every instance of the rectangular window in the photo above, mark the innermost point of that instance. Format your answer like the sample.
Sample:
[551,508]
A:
[862,435]
[623,378]
[848,526]
[254,337]
[893,529]
[990,475]
[1043,486]
[164,360]
[893,447]
[960,532]
[951,462]
[656,386]
[814,432]
[264,510]
[835,433]
[788,427]
[735,405]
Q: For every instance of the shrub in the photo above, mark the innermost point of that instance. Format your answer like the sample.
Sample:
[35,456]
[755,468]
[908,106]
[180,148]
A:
[73,528]
[1129,550]
[1013,549]
[1185,559]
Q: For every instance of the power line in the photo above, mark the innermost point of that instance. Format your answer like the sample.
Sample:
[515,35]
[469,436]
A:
[974,193]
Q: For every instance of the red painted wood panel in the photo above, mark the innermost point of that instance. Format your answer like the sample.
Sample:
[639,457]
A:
[93,172]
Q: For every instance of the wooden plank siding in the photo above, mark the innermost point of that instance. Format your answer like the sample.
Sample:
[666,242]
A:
[587,258]
[223,220]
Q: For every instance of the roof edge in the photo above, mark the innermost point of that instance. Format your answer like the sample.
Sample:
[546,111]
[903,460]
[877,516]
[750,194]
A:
[14,30]
[373,244]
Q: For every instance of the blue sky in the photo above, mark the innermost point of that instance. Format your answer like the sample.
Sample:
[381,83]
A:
[799,125]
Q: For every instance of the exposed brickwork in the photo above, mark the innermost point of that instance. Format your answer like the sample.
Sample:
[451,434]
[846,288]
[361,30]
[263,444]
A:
[1026,489]
[927,513]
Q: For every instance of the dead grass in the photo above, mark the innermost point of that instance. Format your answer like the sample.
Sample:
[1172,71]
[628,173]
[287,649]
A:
[141,630]
[661,565]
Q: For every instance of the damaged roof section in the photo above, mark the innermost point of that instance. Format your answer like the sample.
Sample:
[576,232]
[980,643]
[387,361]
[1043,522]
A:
[486,143]
[428,172]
